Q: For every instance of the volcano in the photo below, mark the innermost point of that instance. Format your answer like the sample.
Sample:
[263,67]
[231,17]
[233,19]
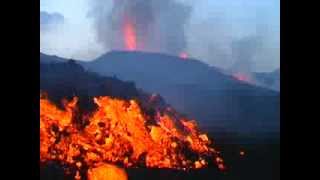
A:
[216,99]
[200,91]
[63,79]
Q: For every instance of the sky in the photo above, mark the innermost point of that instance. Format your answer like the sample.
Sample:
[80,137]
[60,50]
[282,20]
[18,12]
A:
[213,23]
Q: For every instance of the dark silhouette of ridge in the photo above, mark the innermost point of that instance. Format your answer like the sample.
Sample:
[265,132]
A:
[202,92]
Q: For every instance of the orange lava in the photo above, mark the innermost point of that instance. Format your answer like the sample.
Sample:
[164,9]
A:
[107,172]
[118,132]
[130,38]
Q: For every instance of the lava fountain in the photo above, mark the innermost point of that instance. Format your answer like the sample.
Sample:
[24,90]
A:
[130,36]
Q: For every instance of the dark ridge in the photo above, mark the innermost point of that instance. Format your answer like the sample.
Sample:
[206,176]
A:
[193,88]
[66,80]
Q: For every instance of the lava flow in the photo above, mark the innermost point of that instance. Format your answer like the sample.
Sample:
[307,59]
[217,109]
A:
[118,132]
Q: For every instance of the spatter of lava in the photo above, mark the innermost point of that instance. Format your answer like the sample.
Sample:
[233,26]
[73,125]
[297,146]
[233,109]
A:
[118,132]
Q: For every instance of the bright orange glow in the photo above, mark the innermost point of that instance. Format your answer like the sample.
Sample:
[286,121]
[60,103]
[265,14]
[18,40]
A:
[107,172]
[183,55]
[130,38]
[119,132]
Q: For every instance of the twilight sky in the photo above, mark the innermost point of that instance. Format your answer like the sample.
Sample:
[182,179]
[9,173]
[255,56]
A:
[67,30]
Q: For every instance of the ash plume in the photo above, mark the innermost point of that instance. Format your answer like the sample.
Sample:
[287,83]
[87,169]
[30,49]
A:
[158,25]
[244,51]
[50,21]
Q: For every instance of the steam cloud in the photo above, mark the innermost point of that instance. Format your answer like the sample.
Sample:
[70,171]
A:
[214,42]
[243,51]
[50,20]
[159,25]
[169,26]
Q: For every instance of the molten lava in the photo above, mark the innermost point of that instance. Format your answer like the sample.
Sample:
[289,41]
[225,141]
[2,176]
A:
[106,172]
[130,37]
[119,132]
[183,55]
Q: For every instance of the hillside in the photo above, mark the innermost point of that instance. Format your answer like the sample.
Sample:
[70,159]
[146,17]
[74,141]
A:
[218,101]
[269,79]
[44,58]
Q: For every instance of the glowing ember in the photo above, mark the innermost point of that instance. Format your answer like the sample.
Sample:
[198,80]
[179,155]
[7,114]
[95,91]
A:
[183,55]
[130,38]
[107,172]
[118,132]
[242,77]
[242,153]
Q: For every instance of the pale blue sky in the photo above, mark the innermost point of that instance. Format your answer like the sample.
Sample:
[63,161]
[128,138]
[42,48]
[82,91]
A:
[241,18]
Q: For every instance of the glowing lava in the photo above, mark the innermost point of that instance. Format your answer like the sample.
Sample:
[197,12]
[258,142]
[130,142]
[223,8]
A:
[119,132]
[130,38]
[107,172]
[183,55]
[242,77]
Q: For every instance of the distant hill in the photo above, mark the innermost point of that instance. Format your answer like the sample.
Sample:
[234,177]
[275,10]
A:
[50,59]
[202,92]
[66,79]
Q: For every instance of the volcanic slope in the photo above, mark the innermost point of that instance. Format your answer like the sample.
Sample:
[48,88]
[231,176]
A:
[218,101]
[269,79]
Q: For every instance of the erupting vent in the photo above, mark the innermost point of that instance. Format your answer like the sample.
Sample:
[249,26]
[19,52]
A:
[242,77]
[183,55]
[118,132]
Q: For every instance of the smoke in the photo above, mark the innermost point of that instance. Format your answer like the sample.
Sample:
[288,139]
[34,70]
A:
[50,21]
[237,37]
[210,40]
[69,40]
[249,51]
[237,46]
[244,50]
[159,26]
